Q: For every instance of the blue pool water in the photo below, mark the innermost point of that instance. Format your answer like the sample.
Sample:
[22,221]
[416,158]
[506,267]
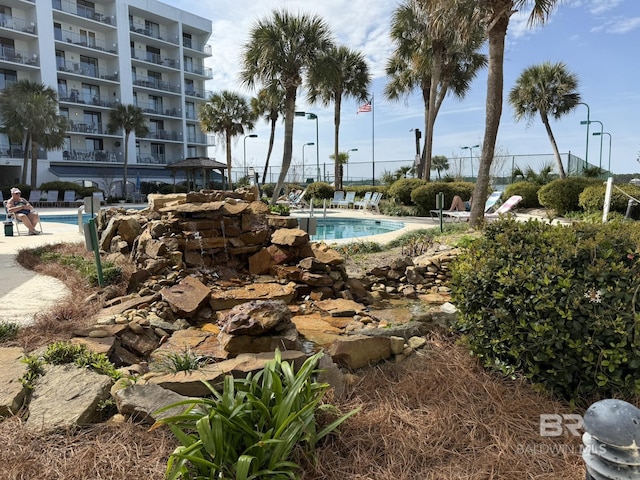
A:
[344,228]
[327,229]
[68,219]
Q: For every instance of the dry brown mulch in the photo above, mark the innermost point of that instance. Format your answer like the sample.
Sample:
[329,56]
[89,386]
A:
[437,415]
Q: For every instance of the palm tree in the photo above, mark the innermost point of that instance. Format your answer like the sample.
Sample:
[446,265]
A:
[342,158]
[439,163]
[547,89]
[496,15]
[432,57]
[128,118]
[269,103]
[29,112]
[226,114]
[280,50]
[338,73]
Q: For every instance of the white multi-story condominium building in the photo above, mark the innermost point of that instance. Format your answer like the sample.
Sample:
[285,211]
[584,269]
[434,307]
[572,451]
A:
[97,54]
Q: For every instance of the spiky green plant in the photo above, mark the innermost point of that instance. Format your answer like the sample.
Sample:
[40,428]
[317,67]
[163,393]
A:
[251,428]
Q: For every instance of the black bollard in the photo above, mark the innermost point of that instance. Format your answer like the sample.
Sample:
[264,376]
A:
[612,441]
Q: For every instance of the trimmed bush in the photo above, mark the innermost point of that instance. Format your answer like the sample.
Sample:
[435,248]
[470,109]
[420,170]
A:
[319,191]
[400,190]
[425,196]
[592,198]
[562,194]
[527,190]
[554,303]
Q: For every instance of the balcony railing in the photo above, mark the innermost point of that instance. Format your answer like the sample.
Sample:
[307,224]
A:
[77,97]
[151,82]
[197,138]
[83,11]
[11,151]
[18,24]
[193,45]
[197,92]
[9,54]
[199,70]
[154,58]
[84,41]
[154,158]
[153,32]
[93,156]
[86,69]
[164,135]
[154,108]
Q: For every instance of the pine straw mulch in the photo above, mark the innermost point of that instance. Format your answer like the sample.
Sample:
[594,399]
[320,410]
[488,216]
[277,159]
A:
[437,415]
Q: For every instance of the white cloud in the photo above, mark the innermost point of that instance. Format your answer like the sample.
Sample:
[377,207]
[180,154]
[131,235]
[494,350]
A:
[598,7]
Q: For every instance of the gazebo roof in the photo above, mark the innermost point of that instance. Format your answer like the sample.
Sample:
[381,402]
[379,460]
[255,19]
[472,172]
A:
[192,163]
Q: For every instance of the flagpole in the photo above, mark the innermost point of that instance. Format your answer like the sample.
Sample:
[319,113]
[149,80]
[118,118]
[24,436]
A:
[373,142]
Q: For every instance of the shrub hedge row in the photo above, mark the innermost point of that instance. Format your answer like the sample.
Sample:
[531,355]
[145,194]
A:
[555,303]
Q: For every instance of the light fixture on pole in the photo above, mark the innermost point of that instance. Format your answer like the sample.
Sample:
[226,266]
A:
[244,156]
[304,180]
[313,116]
[586,153]
[350,150]
[587,122]
[470,155]
[599,134]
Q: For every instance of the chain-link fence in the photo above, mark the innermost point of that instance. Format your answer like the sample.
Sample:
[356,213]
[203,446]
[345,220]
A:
[464,168]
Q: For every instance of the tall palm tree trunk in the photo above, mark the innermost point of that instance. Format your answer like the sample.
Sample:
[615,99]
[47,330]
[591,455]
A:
[25,159]
[436,71]
[290,111]
[425,101]
[554,145]
[227,147]
[336,138]
[495,80]
[272,136]
[34,164]
[126,163]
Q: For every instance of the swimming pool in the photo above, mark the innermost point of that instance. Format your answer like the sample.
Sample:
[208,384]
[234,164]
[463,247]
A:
[327,228]
[345,228]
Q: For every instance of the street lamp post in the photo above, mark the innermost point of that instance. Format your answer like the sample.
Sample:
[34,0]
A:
[244,156]
[587,122]
[350,150]
[313,116]
[470,155]
[599,134]
[303,176]
[586,153]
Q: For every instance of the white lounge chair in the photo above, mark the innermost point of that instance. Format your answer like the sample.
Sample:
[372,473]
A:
[338,196]
[364,203]
[349,198]
[457,216]
[374,204]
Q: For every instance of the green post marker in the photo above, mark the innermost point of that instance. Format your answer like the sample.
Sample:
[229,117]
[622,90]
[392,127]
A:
[96,250]
[441,207]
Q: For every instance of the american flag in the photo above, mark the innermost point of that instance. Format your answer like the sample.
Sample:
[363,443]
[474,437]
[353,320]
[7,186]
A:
[366,108]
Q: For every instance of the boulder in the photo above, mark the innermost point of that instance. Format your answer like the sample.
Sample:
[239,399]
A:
[12,392]
[359,351]
[228,298]
[290,237]
[142,402]
[257,317]
[186,297]
[234,345]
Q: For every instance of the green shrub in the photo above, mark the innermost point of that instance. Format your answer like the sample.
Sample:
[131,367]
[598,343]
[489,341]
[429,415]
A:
[592,198]
[555,303]
[425,196]
[25,190]
[60,353]
[319,191]
[8,330]
[252,427]
[181,361]
[527,190]
[400,190]
[562,194]
[267,189]
[61,187]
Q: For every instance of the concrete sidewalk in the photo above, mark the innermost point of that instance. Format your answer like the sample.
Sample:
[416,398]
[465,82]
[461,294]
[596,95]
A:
[23,293]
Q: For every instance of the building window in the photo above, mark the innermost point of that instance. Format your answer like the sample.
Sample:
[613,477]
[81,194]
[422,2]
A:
[186,40]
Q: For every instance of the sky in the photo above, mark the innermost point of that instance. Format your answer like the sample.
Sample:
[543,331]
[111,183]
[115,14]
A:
[596,39]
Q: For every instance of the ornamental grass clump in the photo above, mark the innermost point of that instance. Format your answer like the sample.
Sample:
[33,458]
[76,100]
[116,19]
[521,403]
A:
[251,429]
[555,303]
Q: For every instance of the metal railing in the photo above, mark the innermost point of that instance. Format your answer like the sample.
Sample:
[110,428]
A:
[199,47]
[18,24]
[159,109]
[199,70]
[11,151]
[96,100]
[154,58]
[9,54]
[164,135]
[85,41]
[151,82]
[154,158]
[93,156]
[83,11]
[158,33]
[85,69]
[197,92]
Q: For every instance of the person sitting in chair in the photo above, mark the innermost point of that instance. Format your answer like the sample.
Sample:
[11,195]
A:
[459,205]
[23,211]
